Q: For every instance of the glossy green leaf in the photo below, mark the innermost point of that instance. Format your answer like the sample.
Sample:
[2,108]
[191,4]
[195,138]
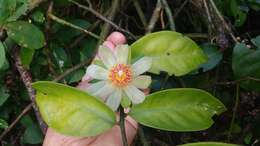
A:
[77,76]
[2,55]
[38,16]
[3,124]
[246,63]
[171,52]
[32,135]
[256,41]
[6,9]
[208,144]
[214,57]
[25,34]
[3,95]
[183,109]
[26,56]
[71,111]
[21,9]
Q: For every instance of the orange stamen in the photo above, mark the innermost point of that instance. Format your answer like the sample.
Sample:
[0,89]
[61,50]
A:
[120,75]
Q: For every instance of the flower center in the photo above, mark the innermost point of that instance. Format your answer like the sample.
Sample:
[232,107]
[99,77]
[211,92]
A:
[120,75]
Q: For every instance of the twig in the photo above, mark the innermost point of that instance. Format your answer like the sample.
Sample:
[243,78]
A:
[71,70]
[223,21]
[34,3]
[100,16]
[27,108]
[61,21]
[180,9]
[142,136]
[103,34]
[140,12]
[107,26]
[234,113]
[122,126]
[27,80]
[165,81]
[197,35]
[154,17]
[169,14]
[208,16]
[238,81]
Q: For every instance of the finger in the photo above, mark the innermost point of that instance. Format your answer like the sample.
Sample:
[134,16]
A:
[117,38]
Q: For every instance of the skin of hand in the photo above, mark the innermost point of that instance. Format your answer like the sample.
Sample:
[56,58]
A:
[109,138]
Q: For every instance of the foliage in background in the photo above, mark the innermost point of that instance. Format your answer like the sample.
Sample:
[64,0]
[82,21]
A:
[49,48]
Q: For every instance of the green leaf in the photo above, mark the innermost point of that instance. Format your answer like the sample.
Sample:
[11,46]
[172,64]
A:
[214,56]
[234,7]
[3,95]
[26,56]
[171,52]
[71,111]
[25,34]
[240,18]
[183,109]
[3,124]
[246,63]
[77,76]
[20,10]
[2,55]
[256,41]
[208,144]
[38,16]
[32,135]
[6,8]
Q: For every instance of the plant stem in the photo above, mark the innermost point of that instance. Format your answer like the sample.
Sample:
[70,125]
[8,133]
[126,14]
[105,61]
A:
[155,16]
[27,108]
[140,12]
[122,126]
[61,21]
[169,14]
[234,113]
[142,136]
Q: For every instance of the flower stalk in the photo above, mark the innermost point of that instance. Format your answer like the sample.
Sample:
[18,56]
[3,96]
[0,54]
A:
[122,126]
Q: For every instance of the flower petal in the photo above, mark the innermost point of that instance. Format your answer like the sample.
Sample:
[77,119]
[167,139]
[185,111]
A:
[97,72]
[114,99]
[142,65]
[134,94]
[105,91]
[142,81]
[95,87]
[107,56]
[122,54]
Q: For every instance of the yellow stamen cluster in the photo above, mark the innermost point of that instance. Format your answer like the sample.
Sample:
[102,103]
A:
[120,75]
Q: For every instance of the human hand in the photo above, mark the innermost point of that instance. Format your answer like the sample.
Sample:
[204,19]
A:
[109,138]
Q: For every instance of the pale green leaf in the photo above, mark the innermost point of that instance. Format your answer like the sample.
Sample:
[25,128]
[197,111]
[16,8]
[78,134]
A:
[183,109]
[25,34]
[71,111]
[171,52]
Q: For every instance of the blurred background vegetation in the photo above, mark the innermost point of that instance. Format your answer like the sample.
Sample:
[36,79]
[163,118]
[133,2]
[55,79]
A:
[58,39]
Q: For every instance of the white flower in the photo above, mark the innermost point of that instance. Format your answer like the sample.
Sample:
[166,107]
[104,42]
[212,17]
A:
[119,78]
